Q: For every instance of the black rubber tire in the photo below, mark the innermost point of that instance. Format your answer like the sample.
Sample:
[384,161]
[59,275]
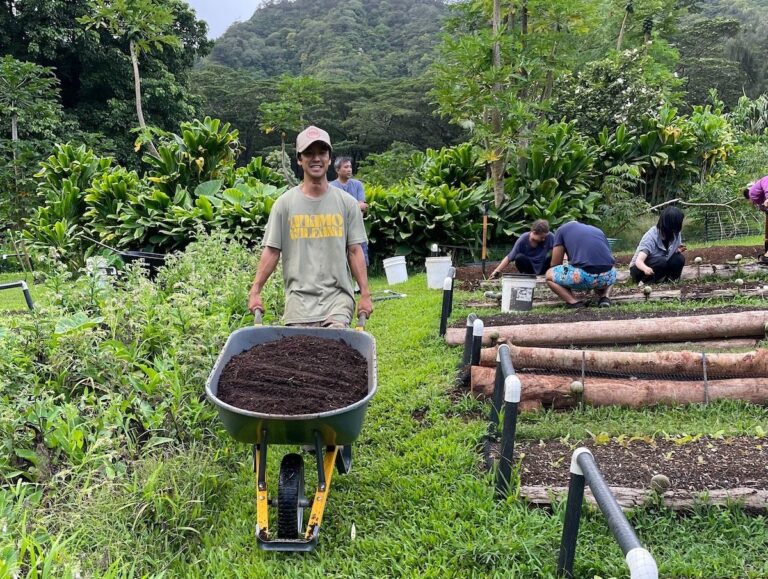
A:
[290,492]
[344,459]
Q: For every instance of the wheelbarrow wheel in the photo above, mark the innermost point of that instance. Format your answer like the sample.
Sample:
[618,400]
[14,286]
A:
[290,496]
[344,459]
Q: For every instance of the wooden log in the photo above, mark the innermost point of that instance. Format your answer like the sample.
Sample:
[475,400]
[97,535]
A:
[749,324]
[555,391]
[755,500]
[685,364]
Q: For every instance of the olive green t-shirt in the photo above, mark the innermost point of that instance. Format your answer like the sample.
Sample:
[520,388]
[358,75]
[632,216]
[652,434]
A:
[312,235]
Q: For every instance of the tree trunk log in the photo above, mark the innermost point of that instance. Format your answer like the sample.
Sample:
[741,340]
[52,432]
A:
[137,96]
[677,500]
[733,325]
[685,364]
[555,391]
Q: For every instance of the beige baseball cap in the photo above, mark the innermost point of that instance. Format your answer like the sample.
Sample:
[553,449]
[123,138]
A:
[309,136]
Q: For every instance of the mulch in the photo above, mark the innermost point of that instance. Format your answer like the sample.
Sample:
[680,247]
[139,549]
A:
[600,314]
[690,463]
[295,375]
[469,277]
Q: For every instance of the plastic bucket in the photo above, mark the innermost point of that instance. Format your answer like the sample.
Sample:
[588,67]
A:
[394,267]
[437,271]
[517,292]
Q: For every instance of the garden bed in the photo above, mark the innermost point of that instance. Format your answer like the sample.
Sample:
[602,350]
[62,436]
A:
[698,469]
[470,277]
[600,314]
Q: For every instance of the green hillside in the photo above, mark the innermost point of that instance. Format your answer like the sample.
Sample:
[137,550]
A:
[333,39]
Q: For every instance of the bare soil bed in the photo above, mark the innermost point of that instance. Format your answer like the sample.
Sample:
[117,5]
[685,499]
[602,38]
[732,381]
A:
[599,314]
[690,464]
[469,277]
[295,375]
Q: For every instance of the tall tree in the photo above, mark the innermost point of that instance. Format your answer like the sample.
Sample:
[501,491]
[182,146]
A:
[28,97]
[146,25]
[494,79]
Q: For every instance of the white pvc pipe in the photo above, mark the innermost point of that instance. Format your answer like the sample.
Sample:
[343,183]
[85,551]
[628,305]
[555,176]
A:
[641,564]
[512,388]
[477,328]
[575,468]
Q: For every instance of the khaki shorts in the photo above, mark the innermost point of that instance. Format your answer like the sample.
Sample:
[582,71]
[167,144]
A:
[338,322]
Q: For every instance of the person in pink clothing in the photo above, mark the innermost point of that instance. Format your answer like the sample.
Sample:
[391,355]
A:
[757,193]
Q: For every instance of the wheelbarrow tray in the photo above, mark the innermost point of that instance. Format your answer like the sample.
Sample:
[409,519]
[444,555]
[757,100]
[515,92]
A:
[335,427]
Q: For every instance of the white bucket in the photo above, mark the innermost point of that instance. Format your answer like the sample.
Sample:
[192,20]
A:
[437,271]
[394,267]
[517,292]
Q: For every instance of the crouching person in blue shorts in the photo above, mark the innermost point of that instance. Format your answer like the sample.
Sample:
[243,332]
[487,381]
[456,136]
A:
[590,264]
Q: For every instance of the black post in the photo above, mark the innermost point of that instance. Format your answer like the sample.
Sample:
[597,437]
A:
[572,518]
[446,311]
[452,275]
[511,401]
[498,393]
[27,295]
[468,340]
[484,251]
[503,368]
[477,342]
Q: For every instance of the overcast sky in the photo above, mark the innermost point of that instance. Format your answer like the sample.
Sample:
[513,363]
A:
[219,14]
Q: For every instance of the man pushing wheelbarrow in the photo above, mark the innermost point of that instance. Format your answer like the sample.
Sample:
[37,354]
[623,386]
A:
[318,230]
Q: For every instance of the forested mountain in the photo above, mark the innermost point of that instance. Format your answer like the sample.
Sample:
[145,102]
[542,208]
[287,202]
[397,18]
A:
[335,39]
[724,45]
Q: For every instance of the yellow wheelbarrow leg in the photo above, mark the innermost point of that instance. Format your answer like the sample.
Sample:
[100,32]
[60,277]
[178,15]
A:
[321,495]
[262,502]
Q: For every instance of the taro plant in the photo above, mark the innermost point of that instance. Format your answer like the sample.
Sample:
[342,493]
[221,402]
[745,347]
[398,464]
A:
[406,221]
[459,166]
[201,153]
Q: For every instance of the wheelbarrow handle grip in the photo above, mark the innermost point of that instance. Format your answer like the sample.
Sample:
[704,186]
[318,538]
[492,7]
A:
[361,319]
[258,317]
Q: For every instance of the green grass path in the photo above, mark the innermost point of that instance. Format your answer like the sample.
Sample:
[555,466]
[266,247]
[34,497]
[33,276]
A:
[417,497]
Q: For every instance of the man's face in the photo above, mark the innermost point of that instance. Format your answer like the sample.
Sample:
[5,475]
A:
[345,171]
[536,238]
[315,160]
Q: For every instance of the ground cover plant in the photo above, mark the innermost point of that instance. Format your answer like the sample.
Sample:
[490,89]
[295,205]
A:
[120,468]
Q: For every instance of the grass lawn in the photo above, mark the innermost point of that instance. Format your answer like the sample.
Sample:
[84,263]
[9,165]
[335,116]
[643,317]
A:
[420,504]
[13,299]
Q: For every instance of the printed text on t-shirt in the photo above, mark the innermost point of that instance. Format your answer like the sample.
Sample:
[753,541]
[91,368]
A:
[317,226]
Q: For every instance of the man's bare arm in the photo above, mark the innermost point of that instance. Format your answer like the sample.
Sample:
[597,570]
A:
[356,259]
[267,264]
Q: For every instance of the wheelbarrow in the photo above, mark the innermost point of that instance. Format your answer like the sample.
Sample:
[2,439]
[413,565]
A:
[330,434]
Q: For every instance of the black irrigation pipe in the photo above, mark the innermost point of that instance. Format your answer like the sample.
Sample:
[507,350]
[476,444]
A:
[24,287]
[512,389]
[584,470]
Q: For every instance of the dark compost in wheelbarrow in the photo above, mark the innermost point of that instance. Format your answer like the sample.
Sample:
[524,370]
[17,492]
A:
[295,375]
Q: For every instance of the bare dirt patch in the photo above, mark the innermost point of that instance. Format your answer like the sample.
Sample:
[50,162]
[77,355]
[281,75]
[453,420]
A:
[693,464]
